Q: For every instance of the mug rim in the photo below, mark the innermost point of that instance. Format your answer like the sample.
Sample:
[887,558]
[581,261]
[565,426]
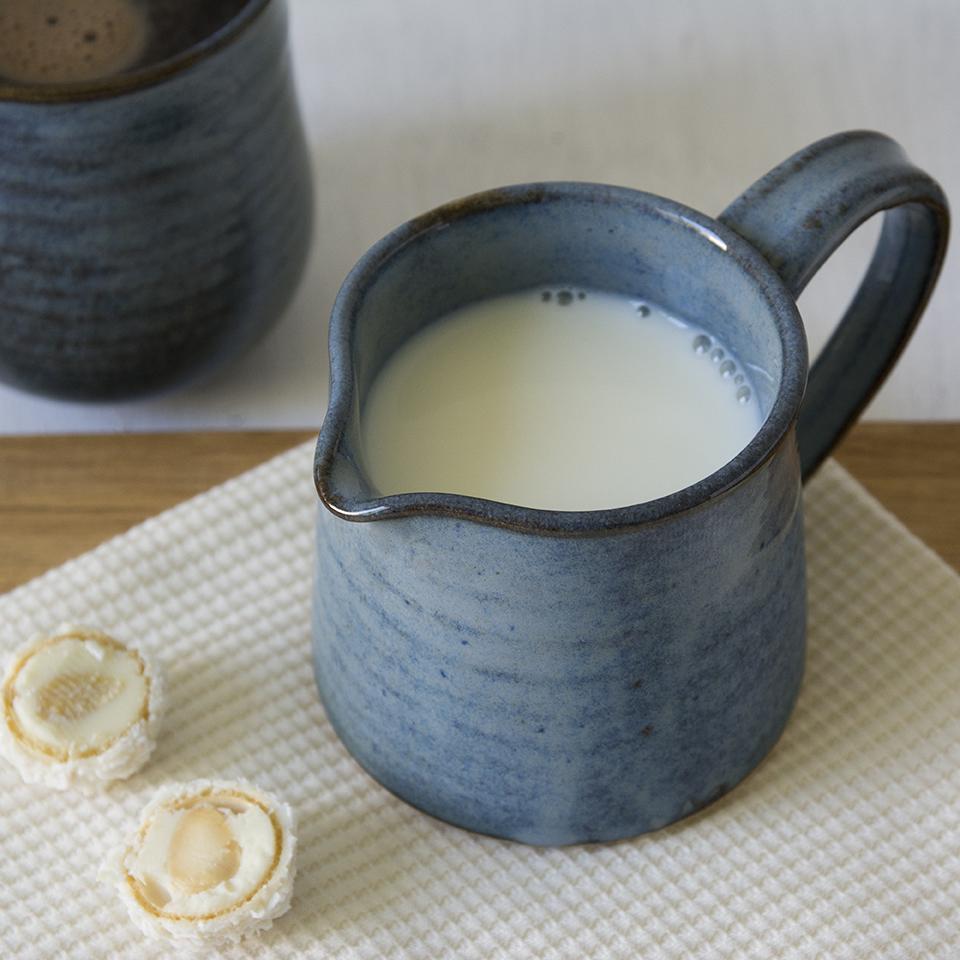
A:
[146,76]
[782,309]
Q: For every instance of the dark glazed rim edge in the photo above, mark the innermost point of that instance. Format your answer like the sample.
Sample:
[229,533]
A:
[761,448]
[147,76]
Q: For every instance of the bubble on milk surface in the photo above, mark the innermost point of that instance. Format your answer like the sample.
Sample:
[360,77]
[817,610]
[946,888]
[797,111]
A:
[563,297]
[705,345]
[702,343]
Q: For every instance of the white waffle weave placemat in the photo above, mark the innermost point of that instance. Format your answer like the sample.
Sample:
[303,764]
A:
[845,843]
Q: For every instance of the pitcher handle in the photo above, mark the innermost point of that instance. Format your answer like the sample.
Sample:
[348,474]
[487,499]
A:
[799,213]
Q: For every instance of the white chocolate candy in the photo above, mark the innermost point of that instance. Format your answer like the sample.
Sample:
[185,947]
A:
[78,707]
[209,862]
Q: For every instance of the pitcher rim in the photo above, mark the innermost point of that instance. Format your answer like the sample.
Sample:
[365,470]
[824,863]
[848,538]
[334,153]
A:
[762,447]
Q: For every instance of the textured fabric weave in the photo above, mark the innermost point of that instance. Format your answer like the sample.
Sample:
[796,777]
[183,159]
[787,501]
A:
[844,843]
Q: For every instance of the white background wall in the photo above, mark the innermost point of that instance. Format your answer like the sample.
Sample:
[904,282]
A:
[408,104]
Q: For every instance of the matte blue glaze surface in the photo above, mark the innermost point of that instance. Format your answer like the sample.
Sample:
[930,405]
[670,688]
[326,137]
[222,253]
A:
[556,689]
[151,230]
[565,677]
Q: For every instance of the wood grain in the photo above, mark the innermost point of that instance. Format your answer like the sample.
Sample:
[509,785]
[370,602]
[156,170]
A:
[62,495]
[914,470]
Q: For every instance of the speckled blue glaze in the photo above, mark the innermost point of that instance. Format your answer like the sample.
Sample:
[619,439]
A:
[560,677]
[154,224]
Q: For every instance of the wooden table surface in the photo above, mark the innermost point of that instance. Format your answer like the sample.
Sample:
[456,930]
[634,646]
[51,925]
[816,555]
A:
[61,496]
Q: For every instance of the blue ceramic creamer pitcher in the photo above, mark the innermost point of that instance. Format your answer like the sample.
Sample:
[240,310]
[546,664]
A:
[558,677]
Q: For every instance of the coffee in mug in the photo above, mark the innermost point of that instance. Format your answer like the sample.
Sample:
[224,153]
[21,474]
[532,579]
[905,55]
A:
[45,42]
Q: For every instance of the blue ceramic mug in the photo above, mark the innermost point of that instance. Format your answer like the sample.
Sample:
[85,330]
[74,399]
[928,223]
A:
[558,677]
[153,223]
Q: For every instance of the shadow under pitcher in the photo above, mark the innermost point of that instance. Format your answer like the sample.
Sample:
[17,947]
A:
[155,192]
[564,676]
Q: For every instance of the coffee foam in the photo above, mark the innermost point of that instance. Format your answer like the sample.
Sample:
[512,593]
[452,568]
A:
[70,41]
